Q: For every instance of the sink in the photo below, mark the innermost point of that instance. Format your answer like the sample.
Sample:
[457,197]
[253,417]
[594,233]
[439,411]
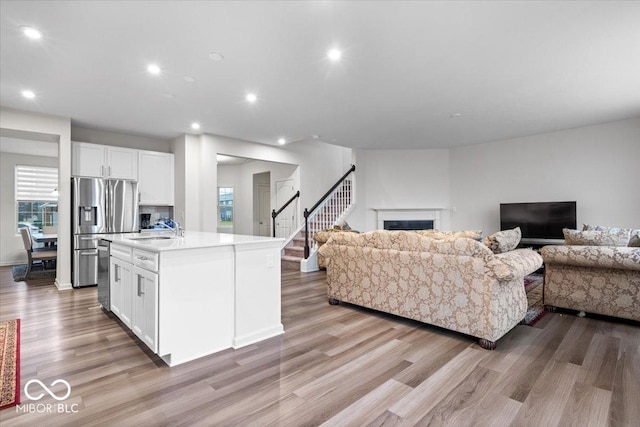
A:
[151,238]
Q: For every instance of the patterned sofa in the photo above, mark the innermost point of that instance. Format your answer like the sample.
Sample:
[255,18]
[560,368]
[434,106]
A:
[596,279]
[457,283]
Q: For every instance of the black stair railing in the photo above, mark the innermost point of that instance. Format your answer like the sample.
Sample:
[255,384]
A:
[275,213]
[308,212]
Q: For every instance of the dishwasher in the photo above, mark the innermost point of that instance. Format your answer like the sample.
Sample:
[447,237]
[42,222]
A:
[104,293]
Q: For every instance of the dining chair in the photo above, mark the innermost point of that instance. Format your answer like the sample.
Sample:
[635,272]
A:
[35,256]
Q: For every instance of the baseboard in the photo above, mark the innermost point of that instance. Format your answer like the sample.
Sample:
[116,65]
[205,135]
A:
[63,286]
[12,263]
[258,336]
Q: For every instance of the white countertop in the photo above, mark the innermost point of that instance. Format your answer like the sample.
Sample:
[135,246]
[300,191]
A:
[191,240]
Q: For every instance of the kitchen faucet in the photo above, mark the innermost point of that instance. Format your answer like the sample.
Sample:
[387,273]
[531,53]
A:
[177,230]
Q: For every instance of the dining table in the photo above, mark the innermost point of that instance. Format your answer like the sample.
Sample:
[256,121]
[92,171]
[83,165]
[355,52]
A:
[48,239]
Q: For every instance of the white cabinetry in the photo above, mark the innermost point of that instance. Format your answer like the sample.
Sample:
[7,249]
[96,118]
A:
[144,322]
[121,289]
[101,161]
[156,178]
[134,291]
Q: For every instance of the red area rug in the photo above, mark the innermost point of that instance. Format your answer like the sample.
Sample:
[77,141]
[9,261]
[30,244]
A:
[533,286]
[9,363]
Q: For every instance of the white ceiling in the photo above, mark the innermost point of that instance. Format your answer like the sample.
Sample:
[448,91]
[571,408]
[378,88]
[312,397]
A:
[509,68]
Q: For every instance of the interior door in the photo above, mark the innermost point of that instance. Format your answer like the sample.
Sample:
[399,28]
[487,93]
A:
[264,212]
[286,221]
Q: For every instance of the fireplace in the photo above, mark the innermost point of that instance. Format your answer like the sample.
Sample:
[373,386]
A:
[408,219]
[409,224]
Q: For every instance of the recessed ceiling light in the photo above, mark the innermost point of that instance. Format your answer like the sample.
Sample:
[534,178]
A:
[334,54]
[282,141]
[315,136]
[455,115]
[189,79]
[32,33]
[251,97]
[195,125]
[28,94]
[216,56]
[153,69]
[168,95]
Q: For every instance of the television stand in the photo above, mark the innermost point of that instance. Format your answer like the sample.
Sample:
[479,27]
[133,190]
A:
[536,244]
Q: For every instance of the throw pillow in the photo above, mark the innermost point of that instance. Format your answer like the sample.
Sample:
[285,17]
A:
[624,234]
[596,237]
[503,241]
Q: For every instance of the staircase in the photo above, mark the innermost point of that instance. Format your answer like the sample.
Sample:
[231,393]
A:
[336,206]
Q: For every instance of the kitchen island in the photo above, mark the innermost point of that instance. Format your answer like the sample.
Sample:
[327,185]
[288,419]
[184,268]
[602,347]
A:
[188,297]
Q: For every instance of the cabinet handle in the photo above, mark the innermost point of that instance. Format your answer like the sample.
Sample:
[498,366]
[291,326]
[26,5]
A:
[117,268]
[109,170]
[140,292]
[101,170]
[142,258]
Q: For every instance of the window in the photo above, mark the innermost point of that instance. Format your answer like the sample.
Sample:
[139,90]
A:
[36,196]
[225,206]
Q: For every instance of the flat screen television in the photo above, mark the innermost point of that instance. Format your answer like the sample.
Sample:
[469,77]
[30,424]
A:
[538,220]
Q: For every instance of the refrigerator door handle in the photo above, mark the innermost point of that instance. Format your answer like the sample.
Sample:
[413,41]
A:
[107,206]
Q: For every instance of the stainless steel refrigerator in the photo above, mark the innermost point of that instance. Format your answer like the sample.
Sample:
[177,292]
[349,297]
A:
[100,206]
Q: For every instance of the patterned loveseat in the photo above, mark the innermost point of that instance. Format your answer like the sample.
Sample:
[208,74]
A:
[596,279]
[457,283]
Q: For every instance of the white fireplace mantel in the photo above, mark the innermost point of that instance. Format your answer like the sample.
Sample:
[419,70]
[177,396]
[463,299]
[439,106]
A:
[407,214]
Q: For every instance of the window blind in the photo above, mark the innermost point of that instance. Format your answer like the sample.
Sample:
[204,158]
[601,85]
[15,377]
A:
[36,183]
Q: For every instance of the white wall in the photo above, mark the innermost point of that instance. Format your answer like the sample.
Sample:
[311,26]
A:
[116,139]
[22,124]
[186,150]
[320,166]
[597,166]
[11,248]
[241,178]
[400,179]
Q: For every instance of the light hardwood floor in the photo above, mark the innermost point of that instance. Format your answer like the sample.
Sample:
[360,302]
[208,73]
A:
[335,365]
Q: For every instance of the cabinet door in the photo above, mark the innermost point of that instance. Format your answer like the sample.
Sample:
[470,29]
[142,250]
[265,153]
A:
[88,160]
[121,289]
[145,307]
[156,178]
[115,286]
[122,163]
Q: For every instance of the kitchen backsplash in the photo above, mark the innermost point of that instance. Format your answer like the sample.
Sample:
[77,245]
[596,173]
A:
[157,212]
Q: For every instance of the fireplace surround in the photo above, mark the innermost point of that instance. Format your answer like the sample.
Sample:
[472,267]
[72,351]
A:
[408,219]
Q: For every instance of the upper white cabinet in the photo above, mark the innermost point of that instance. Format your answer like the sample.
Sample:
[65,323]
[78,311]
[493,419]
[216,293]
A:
[101,161]
[156,178]
[122,163]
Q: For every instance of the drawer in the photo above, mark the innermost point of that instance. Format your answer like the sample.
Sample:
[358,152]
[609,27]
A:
[120,252]
[145,259]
